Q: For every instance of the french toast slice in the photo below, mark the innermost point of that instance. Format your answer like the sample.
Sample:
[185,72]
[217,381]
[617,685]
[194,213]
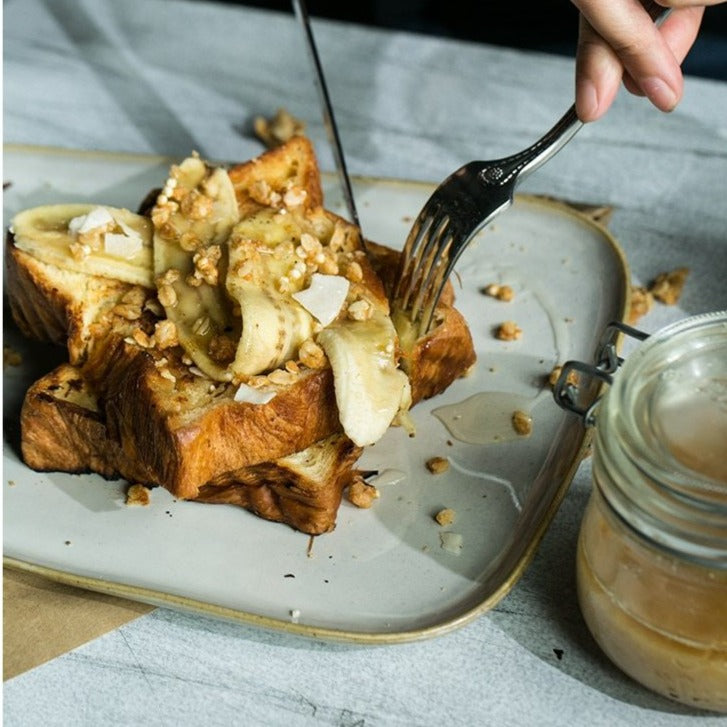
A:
[64,430]
[173,410]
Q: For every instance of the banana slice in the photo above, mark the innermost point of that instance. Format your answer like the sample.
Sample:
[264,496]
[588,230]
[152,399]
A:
[370,388]
[193,218]
[264,271]
[87,238]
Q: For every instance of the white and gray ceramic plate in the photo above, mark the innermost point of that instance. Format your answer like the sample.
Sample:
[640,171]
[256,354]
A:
[387,574]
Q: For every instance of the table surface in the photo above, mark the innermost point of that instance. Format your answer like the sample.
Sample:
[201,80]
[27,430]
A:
[165,77]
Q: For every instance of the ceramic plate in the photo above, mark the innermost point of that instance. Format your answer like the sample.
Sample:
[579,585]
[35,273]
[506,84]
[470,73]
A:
[390,573]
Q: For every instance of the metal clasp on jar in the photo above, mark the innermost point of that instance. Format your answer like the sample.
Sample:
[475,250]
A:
[569,388]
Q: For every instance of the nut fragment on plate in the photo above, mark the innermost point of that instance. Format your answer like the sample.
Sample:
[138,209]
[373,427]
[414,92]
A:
[446,516]
[522,423]
[641,303]
[437,465]
[281,128]
[138,495]
[667,287]
[361,494]
[501,292]
[508,331]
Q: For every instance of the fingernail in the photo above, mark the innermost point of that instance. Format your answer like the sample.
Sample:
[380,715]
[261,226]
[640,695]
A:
[587,101]
[659,93]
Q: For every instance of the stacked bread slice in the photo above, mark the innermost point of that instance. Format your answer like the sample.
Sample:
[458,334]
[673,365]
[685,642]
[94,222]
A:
[231,342]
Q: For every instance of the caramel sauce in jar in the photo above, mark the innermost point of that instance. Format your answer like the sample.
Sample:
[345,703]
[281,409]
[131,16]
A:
[652,550]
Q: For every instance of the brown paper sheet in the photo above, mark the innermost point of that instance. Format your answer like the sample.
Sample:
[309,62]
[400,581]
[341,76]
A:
[43,619]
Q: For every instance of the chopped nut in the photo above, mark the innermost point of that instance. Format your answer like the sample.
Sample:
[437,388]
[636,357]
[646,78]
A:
[361,494]
[508,331]
[134,296]
[205,264]
[165,334]
[641,303]
[354,272]
[667,287]
[169,277]
[312,355]
[127,311]
[281,377]
[360,310]
[167,296]
[294,197]
[79,251]
[281,128]
[445,517]
[138,495]
[437,465]
[501,292]
[522,423]
[141,338]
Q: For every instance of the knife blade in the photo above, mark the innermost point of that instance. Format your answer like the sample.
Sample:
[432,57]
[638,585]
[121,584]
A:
[329,120]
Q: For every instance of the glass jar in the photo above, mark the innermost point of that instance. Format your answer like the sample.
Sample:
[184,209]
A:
[652,550]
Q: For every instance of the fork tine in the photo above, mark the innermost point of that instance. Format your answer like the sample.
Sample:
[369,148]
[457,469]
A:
[425,231]
[427,256]
[435,263]
[425,315]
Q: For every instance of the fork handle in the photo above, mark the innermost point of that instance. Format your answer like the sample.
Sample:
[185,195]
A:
[518,166]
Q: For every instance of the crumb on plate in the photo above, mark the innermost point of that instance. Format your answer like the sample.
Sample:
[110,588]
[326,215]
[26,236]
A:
[501,292]
[446,516]
[508,331]
[138,495]
[522,423]
[437,465]
[361,494]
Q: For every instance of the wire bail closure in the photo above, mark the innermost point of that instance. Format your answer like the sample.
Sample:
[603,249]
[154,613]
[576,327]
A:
[568,388]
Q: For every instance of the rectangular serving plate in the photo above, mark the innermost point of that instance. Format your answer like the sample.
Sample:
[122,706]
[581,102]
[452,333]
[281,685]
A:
[387,574]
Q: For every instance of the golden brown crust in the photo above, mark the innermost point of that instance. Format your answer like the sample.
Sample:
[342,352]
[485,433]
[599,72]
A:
[293,165]
[187,438]
[61,430]
[307,497]
[64,431]
[59,306]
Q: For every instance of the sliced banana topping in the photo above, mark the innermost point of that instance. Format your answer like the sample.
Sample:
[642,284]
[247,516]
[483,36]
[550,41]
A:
[280,289]
[370,388]
[106,241]
[193,218]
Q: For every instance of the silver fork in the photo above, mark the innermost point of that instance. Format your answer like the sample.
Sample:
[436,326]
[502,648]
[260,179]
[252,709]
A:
[464,203]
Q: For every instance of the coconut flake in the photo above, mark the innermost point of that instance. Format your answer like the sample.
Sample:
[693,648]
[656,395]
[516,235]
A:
[97,217]
[451,542]
[248,395]
[121,245]
[324,296]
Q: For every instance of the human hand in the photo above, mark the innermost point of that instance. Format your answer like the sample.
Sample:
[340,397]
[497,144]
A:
[618,41]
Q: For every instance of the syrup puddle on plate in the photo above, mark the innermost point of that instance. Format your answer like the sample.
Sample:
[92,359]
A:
[487,417]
